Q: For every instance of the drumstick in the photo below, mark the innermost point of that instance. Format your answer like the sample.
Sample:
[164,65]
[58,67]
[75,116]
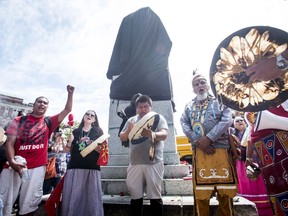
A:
[152,147]
[94,144]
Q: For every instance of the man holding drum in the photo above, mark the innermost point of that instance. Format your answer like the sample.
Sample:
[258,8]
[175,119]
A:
[206,124]
[146,132]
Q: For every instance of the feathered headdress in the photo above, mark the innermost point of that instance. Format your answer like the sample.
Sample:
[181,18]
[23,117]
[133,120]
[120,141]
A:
[196,75]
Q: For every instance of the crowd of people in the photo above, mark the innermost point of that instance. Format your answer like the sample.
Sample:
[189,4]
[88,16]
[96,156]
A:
[205,122]
[56,148]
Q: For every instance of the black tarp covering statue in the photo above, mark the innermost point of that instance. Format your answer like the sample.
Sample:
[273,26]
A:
[139,62]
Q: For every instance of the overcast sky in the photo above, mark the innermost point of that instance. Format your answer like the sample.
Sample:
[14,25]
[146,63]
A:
[47,44]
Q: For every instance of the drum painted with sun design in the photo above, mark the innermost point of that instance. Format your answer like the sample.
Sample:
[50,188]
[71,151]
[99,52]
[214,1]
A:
[234,56]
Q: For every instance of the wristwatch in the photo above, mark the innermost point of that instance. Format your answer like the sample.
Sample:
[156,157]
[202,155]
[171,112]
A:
[282,63]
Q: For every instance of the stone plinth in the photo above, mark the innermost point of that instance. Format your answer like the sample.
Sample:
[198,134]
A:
[115,146]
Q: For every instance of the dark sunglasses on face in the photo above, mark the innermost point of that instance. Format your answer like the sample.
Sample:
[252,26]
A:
[240,120]
[90,114]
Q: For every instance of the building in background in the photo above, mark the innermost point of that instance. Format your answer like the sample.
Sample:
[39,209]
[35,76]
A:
[10,106]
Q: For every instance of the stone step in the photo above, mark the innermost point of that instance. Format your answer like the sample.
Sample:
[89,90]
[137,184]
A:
[170,158]
[177,186]
[170,171]
[174,206]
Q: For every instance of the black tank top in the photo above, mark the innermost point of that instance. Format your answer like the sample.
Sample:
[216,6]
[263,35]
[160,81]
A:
[81,140]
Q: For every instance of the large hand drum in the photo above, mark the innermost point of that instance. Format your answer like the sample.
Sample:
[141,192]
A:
[149,121]
[3,137]
[234,56]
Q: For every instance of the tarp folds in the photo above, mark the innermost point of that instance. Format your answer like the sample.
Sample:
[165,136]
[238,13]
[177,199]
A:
[140,58]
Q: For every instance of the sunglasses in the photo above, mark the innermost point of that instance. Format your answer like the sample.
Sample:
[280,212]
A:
[240,120]
[90,114]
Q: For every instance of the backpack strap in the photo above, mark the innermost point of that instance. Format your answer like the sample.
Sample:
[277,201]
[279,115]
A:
[22,119]
[48,122]
[46,119]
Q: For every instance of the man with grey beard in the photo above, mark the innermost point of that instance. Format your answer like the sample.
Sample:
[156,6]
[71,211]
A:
[205,122]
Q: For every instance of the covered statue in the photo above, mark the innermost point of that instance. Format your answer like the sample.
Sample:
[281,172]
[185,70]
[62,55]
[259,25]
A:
[139,62]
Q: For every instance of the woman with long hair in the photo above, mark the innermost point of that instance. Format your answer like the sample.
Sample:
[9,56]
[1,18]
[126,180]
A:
[82,192]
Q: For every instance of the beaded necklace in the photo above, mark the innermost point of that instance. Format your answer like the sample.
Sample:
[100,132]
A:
[199,110]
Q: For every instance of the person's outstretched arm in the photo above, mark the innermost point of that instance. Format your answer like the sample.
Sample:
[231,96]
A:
[68,106]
